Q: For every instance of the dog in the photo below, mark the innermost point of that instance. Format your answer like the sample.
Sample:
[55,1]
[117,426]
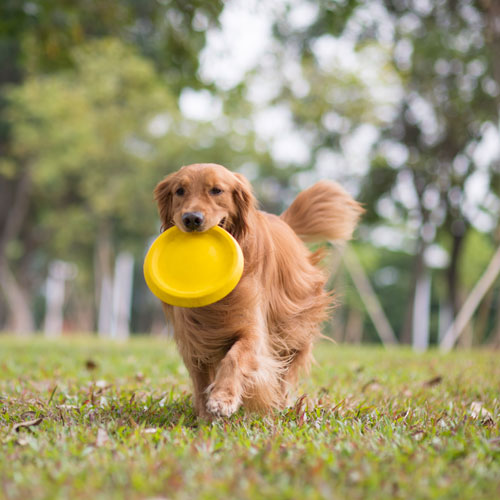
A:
[248,348]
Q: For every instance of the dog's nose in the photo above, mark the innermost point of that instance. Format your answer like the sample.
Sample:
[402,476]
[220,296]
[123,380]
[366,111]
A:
[192,220]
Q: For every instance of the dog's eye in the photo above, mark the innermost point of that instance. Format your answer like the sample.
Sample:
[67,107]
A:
[215,191]
[180,192]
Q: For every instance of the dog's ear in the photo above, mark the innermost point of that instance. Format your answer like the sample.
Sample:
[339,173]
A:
[244,201]
[163,195]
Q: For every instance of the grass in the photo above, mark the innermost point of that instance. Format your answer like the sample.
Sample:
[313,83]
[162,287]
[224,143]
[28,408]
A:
[115,421]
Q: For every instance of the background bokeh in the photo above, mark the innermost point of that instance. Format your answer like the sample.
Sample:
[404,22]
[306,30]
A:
[398,100]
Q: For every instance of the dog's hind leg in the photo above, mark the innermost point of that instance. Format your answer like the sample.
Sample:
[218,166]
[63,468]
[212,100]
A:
[300,361]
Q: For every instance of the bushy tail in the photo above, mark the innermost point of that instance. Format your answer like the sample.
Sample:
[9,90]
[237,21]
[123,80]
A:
[325,211]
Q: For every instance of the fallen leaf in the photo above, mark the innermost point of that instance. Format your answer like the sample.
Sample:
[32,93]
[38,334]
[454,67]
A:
[27,424]
[433,381]
[102,384]
[28,415]
[478,412]
[443,424]
[372,384]
[90,364]
[418,435]
[102,437]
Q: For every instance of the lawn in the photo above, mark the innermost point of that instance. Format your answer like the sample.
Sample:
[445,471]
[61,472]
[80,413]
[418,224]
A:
[84,419]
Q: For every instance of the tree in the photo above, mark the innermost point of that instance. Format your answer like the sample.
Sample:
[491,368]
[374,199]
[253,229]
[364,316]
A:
[39,38]
[439,60]
[450,104]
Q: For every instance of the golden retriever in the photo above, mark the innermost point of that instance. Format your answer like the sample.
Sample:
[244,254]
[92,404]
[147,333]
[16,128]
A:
[248,348]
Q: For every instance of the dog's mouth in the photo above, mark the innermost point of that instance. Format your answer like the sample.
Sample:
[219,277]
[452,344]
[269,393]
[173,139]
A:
[203,227]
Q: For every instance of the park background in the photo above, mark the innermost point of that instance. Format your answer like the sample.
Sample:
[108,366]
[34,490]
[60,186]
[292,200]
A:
[398,100]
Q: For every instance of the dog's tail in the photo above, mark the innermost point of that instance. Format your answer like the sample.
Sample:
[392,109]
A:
[325,211]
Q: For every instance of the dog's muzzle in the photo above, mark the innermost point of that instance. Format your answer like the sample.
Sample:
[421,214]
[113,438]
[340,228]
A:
[193,221]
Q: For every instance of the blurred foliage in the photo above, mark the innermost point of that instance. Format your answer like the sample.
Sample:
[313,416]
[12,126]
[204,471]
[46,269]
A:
[394,99]
[40,35]
[426,152]
[83,134]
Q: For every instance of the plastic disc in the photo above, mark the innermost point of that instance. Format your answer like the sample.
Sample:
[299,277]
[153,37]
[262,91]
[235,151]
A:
[193,269]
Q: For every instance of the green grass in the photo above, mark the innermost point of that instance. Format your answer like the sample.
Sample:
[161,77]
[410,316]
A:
[371,424]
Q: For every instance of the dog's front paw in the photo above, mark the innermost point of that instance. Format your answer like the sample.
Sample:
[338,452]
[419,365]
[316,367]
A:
[222,405]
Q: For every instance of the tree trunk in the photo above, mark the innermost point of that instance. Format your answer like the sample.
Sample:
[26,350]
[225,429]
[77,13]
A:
[104,280]
[19,314]
[122,296]
[54,300]
[59,273]
[445,319]
[418,271]
[369,298]
[487,307]
[483,316]
[354,327]
[492,22]
[20,319]
[495,339]
[473,300]
[452,272]
[421,312]
[83,314]
[454,296]
[491,18]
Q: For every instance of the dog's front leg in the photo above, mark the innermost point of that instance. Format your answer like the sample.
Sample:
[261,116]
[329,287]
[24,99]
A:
[201,380]
[234,372]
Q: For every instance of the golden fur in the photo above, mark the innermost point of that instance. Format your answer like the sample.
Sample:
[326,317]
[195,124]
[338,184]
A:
[248,348]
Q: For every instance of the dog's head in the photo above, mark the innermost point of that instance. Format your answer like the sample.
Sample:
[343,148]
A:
[201,196]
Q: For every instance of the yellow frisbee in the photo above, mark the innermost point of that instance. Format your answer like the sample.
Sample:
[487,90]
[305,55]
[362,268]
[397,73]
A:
[193,269]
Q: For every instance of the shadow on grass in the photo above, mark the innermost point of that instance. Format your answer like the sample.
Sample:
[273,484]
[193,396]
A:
[153,413]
